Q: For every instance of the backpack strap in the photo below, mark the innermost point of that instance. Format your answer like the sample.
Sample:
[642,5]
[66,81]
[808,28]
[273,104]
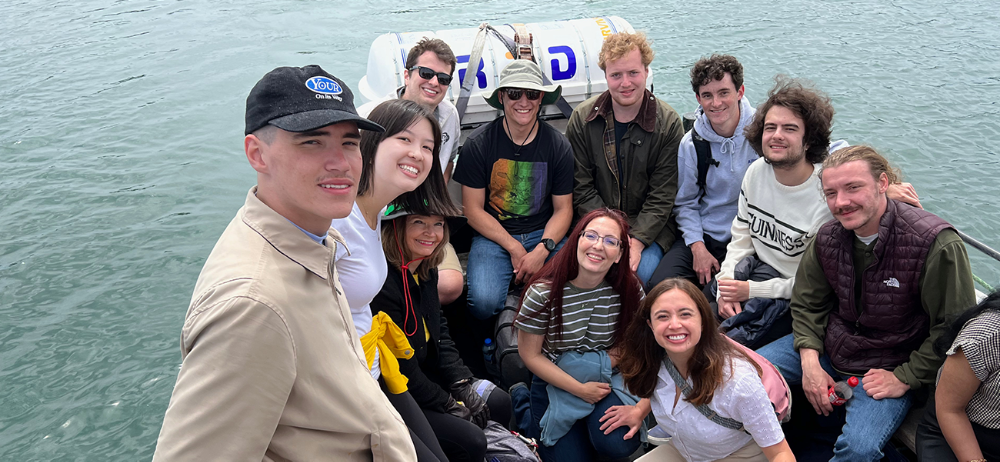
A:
[726,422]
[704,152]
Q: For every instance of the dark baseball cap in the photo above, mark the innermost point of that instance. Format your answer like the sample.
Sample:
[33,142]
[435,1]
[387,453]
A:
[299,99]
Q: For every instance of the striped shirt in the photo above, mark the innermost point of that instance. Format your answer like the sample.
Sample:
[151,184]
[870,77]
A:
[589,318]
[979,339]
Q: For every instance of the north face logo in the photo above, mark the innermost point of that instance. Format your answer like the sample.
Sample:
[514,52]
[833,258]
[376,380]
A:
[891,282]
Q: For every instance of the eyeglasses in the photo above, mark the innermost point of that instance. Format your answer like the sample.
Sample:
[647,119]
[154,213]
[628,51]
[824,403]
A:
[514,94]
[427,73]
[609,241]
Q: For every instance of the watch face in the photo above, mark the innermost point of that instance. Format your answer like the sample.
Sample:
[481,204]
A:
[549,244]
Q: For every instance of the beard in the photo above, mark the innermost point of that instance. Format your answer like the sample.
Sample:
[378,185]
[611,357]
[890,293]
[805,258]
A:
[791,160]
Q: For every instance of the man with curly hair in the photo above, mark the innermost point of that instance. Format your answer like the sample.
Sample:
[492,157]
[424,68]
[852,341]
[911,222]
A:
[625,145]
[778,211]
[706,197]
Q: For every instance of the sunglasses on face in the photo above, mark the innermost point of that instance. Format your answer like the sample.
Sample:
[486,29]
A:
[514,94]
[427,73]
[593,237]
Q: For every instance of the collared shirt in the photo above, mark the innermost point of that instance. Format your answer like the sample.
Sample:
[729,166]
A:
[272,366]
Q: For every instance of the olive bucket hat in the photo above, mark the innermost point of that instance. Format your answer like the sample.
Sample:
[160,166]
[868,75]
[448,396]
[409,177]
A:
[522,73]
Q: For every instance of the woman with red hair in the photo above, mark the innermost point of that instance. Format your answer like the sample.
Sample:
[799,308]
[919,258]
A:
[570,316]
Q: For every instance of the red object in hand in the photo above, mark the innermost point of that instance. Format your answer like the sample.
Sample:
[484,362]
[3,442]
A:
[842,391]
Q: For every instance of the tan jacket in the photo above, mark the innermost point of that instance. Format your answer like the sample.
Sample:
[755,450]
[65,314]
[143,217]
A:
[272,366]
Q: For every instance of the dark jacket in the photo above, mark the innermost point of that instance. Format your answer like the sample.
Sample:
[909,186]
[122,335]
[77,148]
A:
[891,322]
[761,320]
[649,161]
[435,364]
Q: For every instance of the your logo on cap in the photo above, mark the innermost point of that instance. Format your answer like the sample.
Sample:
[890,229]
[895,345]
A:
[324,85]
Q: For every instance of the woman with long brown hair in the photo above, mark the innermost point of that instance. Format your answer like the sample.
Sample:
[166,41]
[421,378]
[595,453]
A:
[674,335]
[443,388]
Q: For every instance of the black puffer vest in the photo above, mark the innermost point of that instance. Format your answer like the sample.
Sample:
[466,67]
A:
[891,323]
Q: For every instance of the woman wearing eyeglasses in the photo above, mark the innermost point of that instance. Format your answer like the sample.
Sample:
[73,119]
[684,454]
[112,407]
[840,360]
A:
[569,329]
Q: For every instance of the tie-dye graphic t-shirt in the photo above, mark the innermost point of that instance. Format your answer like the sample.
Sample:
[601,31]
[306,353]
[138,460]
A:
[519,186]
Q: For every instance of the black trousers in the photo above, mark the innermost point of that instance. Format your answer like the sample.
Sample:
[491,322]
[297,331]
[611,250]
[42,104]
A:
[932,447]
[678,262]
[425,441]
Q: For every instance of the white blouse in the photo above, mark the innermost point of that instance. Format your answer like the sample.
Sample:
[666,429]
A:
[741,397]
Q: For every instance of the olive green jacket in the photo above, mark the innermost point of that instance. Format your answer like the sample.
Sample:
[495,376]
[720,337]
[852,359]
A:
[646,189]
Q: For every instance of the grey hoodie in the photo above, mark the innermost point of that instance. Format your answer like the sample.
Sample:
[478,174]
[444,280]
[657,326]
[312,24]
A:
[713,212]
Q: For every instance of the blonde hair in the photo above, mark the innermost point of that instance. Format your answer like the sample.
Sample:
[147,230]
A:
[876,163]
[616,46]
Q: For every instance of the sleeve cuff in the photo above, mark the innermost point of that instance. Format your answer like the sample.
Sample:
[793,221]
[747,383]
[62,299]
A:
[811,343]
[905,375]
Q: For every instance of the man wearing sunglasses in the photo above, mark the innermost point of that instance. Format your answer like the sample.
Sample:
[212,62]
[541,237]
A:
[429,66]
[517,184]
[625,145]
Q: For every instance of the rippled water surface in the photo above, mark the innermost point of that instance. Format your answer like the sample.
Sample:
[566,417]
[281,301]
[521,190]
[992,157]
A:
[121,142]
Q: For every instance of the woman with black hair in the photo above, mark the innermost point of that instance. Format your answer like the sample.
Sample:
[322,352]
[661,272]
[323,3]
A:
[401,167]
[962,420]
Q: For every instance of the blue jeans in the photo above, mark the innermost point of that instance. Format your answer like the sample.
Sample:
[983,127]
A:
[869,423]
[585,440]
[651,257]
[489,272]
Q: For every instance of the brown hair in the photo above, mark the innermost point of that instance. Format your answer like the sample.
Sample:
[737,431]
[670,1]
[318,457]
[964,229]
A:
[438,46]
[808,103]
[641,356]
[393,236]
[876,163]
[616,46]
[716,67]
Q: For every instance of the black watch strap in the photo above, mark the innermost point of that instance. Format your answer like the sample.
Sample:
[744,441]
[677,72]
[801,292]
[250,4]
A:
[549,244]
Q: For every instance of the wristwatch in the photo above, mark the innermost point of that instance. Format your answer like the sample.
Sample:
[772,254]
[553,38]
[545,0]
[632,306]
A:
[549,244]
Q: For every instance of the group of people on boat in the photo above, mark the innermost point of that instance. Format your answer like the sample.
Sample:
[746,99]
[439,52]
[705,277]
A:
[316,329]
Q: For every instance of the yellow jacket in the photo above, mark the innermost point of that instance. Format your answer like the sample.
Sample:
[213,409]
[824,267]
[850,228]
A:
[391,343]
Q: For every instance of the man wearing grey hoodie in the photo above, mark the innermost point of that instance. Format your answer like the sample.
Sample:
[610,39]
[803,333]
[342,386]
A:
[705,212]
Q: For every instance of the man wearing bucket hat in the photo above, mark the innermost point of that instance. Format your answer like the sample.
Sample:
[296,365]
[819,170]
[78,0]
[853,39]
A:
[625,144]
[517,184]
[272,367]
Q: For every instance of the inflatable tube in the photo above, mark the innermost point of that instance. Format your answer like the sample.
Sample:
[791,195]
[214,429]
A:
[565,50]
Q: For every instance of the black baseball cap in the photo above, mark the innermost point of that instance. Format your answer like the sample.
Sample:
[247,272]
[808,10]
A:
[299,99]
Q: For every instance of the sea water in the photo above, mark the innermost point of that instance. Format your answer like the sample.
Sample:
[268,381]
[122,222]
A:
[121,126]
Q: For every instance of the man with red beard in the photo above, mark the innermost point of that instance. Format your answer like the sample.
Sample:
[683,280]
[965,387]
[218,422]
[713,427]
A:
[871,295]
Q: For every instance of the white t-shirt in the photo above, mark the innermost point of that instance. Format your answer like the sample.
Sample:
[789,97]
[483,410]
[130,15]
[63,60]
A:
[363,272]
[741,397]
[447,117]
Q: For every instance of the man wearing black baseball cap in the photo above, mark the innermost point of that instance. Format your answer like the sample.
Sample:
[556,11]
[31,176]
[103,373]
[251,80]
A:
[272,366]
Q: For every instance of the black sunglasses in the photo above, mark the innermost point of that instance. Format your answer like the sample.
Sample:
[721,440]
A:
[514,94]
[427,73]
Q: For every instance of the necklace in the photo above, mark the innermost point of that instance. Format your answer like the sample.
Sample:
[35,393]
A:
[510,133]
